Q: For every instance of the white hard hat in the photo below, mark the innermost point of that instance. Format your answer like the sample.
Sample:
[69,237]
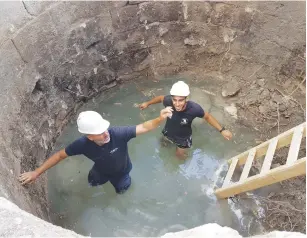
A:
[92,123]
[180,89]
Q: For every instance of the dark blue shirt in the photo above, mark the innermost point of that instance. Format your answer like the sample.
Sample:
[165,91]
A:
[111,158]
[179,126]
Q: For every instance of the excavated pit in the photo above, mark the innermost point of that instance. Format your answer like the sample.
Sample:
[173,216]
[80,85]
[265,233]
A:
[166,194]
[57,56]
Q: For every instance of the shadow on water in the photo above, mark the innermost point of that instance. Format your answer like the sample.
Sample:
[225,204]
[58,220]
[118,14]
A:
[166,194]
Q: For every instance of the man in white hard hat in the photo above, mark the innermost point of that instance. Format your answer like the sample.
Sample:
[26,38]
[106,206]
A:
[178,128]
[106,147]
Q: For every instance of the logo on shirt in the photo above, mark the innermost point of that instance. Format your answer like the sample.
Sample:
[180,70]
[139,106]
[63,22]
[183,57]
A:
[184,121]
[114,150]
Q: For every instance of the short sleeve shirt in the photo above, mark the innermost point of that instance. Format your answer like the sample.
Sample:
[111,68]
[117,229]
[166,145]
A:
[111,158]
[179,125]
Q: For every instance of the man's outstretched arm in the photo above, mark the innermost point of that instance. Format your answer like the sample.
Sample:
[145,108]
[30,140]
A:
[213,122]
[154,123]
[155,100]
[30,177]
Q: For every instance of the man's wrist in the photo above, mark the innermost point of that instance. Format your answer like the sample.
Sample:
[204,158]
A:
[160,118]
[37,172]
[223,129]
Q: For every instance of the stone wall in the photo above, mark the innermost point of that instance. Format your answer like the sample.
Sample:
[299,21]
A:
[15,222]
[54,56]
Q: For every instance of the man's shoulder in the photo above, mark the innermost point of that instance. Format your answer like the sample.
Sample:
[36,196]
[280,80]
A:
[194,105]
[123,132]
[81,140]
[117,129]
[77,146]
[120,129]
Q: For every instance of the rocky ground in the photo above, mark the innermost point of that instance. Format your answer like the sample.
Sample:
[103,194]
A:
[272,107]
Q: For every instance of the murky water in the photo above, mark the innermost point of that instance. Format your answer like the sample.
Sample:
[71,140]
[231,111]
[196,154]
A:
[166,194]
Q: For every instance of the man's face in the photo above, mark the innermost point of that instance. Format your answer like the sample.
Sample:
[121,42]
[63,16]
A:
[179,102]
[100,139]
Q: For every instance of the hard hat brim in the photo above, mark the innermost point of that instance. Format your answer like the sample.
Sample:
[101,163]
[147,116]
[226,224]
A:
[181,94]
[99,130]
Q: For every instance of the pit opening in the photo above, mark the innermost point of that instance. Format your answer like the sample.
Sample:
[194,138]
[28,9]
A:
[57,56]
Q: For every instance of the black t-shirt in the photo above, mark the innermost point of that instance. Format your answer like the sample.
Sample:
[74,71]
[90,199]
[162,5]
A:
[179,126]
[111,158]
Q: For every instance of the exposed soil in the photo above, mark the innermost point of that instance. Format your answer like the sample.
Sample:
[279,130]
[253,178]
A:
[272,108]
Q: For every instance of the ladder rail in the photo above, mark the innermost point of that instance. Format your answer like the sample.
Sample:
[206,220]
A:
[267,176]
[275,175]
[284,139]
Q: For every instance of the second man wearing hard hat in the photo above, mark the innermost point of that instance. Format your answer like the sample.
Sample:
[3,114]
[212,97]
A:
[178,128]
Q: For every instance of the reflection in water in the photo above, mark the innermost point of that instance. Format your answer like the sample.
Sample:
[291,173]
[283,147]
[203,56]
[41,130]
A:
[166,194]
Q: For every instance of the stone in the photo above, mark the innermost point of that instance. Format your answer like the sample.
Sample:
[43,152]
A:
[162,31]
[213,230]
[242,19]
[135,2]
[34,8]
[222,14]
[13,17]
[210,230]
[263,109]
[160,12]
[191,41]
[277,98]
[11,69]
[282,107]
[117,4]
[125,18]
[16,222]
[77,14]
[197,11]
[266,94]
[261,82]
[273,166]
[232,110]
[31,40]
[230,89]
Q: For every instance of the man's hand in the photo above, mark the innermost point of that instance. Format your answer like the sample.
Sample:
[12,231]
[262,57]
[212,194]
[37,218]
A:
[155,100]
[143,105]
[28,177]
[166,112]
[154,123]
[227,134]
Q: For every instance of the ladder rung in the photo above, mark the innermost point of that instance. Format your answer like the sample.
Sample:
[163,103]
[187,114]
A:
[295,144]
[230,172]
[269,156]
[248,164]
[278,174]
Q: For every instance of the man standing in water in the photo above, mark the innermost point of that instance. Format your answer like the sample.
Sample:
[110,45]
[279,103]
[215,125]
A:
[178,128]
[106,147]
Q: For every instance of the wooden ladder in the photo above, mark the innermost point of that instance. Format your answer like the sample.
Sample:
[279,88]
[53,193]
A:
[293,167]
